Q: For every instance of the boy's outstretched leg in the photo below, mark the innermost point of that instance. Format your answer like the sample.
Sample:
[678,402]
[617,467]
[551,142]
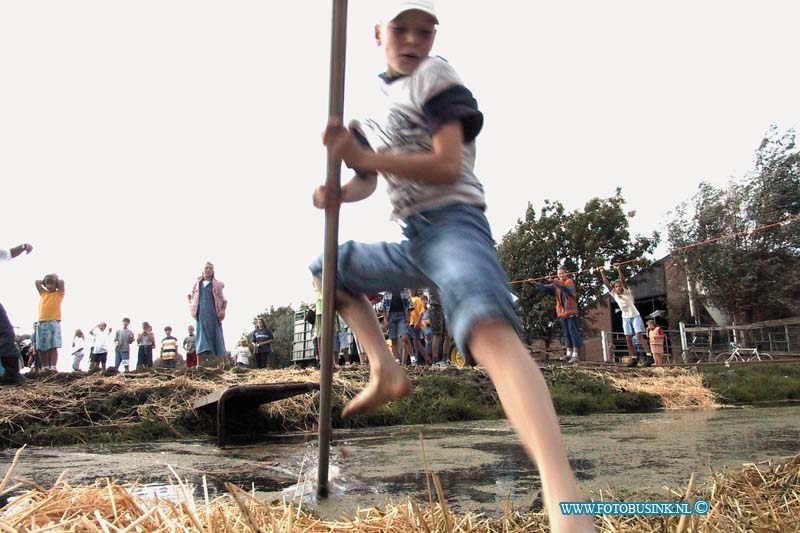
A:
[527,403]
[387,381]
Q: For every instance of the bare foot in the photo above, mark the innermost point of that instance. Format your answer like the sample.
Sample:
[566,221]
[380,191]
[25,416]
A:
[384,386]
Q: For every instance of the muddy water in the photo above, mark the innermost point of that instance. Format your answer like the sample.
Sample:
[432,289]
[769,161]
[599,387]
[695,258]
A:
[481,464]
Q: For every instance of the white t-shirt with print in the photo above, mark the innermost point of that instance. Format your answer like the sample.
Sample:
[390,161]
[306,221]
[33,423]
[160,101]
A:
[397,122]
[626,303]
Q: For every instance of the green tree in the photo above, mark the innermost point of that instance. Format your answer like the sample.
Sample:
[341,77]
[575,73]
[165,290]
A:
[751,270]
[281,321]
[581,239]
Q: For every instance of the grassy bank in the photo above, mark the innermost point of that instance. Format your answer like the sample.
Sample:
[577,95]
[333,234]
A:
[748,384]
[74,408]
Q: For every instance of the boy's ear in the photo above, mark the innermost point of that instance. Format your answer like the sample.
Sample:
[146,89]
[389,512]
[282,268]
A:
[378,34]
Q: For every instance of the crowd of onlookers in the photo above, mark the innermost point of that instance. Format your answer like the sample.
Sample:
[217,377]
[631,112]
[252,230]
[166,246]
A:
[101,340]
[203,345]
[413,325]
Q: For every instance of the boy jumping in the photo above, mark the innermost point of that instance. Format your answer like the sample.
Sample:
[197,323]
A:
[423,142]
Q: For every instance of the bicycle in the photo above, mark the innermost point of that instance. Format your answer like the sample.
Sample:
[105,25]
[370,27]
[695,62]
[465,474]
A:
[697,352]
[739,354]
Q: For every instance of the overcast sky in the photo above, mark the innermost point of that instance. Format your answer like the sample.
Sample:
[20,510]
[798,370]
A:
[140,139]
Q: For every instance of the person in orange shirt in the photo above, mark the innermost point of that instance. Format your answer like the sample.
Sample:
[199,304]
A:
[563,288]
[415,326]
[48,334]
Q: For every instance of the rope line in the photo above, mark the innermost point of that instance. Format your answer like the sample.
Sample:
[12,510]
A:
[672,251]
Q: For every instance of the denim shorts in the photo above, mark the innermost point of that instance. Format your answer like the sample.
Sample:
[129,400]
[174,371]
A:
[48,335]
[632,325]
[397,325]
[448,248]
[344,341]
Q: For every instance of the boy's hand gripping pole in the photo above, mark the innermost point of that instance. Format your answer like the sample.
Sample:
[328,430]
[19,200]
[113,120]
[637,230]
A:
[332,184]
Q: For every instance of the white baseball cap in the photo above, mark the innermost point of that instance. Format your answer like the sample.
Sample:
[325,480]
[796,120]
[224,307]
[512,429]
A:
[394,8]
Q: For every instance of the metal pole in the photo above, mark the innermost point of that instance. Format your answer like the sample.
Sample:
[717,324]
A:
[332,183]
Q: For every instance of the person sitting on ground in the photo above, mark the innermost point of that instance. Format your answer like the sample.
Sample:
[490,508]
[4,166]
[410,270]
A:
[563,288]
[48,335]
[632,323]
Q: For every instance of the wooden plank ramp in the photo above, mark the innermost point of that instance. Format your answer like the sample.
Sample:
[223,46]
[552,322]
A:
[247,396]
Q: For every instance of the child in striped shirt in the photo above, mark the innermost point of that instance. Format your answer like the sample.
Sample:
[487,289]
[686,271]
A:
[169,349]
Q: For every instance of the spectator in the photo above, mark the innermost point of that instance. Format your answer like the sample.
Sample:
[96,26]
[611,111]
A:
[414,328]
[337,328]
[563,288]
[190,345]
[396,307]
[311,318]
[207,305]
[241,354]
[362,352]
[344,342]
[169,349]
[101,338]
[122,346]
[656,336]
[425,327]
[48,336]
[436,317]
[262,345]
[9,352]
[146,341]
[78,345]
[36,361]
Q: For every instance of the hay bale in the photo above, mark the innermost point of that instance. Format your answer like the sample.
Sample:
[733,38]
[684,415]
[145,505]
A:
[680,388]
[758,498]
